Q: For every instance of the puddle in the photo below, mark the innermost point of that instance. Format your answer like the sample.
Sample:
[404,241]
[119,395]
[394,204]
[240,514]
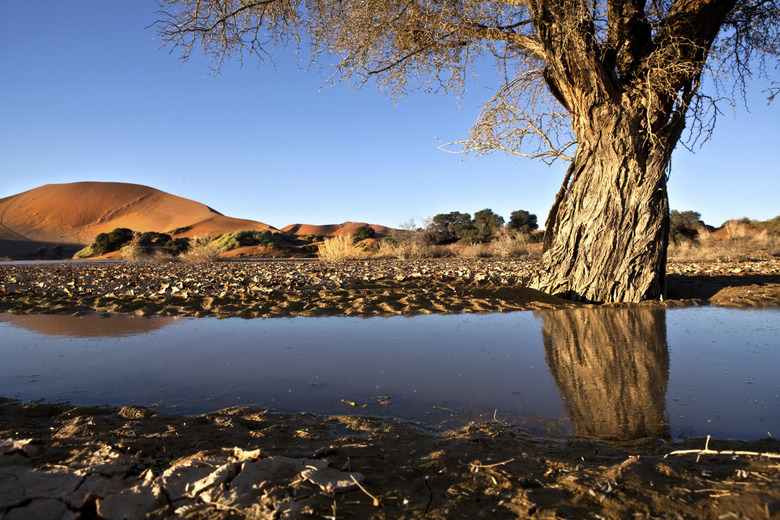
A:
[597,372]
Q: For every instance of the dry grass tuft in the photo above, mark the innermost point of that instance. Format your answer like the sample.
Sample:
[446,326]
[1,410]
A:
[342,247]
[738,246]
[202,251]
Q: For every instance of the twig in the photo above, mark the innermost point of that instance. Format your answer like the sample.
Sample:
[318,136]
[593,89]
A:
[708,451]
[377,503]
[475,465]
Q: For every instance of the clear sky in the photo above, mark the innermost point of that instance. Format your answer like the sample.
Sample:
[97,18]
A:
[85,95]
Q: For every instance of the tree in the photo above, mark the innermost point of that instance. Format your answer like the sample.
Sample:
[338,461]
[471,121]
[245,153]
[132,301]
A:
[487,223]
[449,227]
[684,225]
[609,85]
[522,221]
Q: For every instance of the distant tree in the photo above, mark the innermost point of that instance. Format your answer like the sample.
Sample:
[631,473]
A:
[362,233]
[522,221]
[449,227]
[487,223]
[684,225]
[610,86]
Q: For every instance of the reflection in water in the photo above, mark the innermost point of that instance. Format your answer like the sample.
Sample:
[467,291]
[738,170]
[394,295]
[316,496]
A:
[611,367]
[610,370]
[89,326]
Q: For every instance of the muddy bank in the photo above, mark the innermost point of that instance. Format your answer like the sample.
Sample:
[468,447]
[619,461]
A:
[361,288]
[61,461]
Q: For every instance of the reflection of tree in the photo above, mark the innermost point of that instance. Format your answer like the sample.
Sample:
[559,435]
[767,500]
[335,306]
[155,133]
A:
[611,367]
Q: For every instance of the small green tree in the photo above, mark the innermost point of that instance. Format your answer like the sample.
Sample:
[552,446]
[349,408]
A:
[487,223]
[522,221]
[684,225]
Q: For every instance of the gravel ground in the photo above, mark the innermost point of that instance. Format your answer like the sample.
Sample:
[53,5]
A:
[363,288]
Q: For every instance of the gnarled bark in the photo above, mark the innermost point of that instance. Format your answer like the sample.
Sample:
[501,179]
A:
[607,234]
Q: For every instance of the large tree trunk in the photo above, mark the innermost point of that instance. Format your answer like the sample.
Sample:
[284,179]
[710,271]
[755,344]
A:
[607,233]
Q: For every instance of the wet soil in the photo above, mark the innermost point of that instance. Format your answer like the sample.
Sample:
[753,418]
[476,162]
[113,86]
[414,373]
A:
[64,461]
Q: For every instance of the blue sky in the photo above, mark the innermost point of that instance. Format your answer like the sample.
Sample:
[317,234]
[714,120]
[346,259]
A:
[86,95]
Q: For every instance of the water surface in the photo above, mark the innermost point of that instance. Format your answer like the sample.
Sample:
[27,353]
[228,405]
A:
[594,372]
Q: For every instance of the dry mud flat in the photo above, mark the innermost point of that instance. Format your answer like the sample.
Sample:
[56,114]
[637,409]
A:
[60,461]
[360,288]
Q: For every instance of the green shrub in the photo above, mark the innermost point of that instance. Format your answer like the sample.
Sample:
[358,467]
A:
[684,225]
[109,242]
[178,245]
[229,241]
[773,225]
[362,233]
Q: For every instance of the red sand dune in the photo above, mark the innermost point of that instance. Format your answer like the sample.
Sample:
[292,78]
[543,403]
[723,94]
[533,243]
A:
[73,214]
[347,228]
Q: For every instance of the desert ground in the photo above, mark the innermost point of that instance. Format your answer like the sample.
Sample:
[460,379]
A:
[64,461]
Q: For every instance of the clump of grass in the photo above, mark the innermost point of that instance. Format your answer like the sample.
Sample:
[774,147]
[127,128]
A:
[201,251]
[341,247]
[738,246]
[470,251]
[510,245]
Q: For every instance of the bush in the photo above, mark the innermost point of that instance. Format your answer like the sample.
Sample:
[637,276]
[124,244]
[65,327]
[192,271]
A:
[228,241]
[107,243]
[684,225]
[201,250]
[362,233]
[113,241]
[408,244]
[773,225]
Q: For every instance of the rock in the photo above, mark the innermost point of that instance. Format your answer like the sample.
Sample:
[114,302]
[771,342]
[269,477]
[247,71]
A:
[247,487]
[134,502]
[48,508]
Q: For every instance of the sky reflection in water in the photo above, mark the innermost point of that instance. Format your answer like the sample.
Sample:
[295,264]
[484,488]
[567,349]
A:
[600,372]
